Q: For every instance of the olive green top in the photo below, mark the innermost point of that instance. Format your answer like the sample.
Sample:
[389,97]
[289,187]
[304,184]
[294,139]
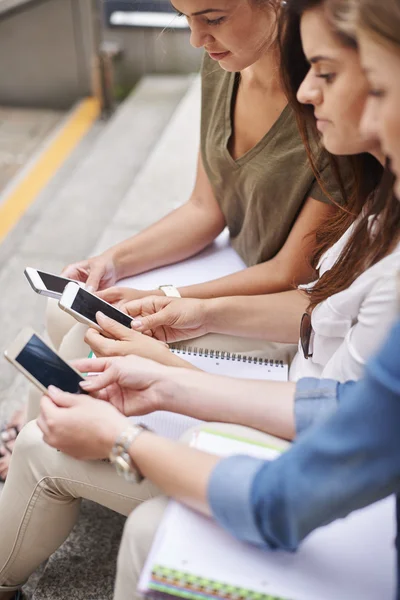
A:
[262,192]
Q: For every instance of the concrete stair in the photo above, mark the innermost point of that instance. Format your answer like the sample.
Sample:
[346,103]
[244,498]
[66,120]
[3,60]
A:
[124,175]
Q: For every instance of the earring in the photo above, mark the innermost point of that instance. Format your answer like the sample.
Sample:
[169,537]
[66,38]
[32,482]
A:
[284,3]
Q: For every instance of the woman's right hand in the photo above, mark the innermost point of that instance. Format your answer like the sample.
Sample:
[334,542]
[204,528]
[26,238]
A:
[98,273]
[134,385]
[168,319]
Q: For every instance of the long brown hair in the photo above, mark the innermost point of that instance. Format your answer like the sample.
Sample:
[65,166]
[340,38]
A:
[371,198]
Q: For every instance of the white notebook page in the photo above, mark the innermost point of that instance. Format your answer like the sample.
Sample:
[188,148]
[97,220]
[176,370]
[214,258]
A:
[351,559]
[217,260]
[242,369]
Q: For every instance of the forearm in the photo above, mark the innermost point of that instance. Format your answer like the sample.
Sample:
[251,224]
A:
[177,236]
[266,278]
[264,405]
[274,317]
[179,471]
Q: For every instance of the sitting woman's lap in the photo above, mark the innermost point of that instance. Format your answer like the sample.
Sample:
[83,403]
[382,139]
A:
[141,526]
[41,500]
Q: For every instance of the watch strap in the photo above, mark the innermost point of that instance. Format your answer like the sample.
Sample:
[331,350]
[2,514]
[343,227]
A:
[170,290]
[120,456]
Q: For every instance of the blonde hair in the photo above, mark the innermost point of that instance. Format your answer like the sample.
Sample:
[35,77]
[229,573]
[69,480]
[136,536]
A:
[380,19]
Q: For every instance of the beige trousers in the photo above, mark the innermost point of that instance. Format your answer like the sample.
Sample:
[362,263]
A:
[41,501]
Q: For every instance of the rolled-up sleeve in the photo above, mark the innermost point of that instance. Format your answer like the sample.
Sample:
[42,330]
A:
[316,400]
[229,496]
[348,462]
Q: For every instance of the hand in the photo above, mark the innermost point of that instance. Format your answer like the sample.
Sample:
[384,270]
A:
[98,272]
[123,342]
[121,295]
[168,319]
[79,425]
[134,385]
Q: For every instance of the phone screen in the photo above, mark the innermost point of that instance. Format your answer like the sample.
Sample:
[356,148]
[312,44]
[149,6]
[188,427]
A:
[47,367]
[54,283]
[88,305]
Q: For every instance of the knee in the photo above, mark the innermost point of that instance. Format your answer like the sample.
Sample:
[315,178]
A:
[30,452]
[139,532]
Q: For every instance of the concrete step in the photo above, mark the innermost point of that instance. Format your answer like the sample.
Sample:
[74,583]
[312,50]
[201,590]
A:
[22,132]
[84,567]
[71,214]
[166,179]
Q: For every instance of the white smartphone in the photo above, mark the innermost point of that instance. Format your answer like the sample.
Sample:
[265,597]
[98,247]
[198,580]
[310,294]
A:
[31,355]
[47,284]
[83,305]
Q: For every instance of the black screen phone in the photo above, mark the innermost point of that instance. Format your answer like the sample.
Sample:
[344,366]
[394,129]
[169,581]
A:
[47,367]
[55,283]
[88,305]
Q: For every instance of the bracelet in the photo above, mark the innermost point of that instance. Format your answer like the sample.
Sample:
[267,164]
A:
[120,456]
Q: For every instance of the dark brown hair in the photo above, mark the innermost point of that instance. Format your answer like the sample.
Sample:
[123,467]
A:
[371,195]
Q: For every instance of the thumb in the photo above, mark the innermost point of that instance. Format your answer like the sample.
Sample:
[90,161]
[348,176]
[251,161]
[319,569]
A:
[113,328]
[151,322]
[109,295]
[62,399]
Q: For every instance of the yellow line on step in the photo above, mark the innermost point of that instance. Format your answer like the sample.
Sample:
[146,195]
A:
[48,162]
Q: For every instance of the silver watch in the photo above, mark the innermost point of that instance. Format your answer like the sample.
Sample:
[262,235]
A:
[120,457]
[170,290]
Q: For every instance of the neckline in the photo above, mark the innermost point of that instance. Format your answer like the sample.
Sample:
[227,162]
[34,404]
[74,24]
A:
[229,109]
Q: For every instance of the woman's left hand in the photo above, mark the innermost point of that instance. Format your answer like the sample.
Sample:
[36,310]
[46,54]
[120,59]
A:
[78,425]
[123,342]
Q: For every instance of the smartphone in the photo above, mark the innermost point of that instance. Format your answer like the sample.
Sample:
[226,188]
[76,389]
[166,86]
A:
[83,305]
[31,355]
[46,284]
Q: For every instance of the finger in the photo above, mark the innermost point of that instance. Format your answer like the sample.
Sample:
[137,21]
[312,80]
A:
[135,308]
[101,381]
[77,271]
[100,345]
[110,295]
[47,410]
[151,322]
[41,423]
[113,328]
[96,273]
[89,365]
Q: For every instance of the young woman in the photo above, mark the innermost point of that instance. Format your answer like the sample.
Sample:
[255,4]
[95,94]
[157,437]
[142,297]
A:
[252,173]
[253,176]
[349,309]
[50,484]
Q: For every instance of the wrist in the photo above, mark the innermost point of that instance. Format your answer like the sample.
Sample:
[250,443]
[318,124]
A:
[122,261]
[169,390]
[210,311]
[111,432]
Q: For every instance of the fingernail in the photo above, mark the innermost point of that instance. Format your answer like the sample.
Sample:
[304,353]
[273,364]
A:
[136,323]
[53,389]
[84,383]
[89,288]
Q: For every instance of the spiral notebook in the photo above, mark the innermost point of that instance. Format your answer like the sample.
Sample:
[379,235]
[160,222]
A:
[233,365]
[192,557]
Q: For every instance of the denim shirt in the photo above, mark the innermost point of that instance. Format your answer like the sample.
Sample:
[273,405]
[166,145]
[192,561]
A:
[348,453]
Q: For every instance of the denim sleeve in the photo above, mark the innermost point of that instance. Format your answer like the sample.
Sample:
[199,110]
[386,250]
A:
[346,463]
[316,400]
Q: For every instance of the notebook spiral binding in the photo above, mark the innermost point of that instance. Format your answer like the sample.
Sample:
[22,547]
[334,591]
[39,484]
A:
[220,355]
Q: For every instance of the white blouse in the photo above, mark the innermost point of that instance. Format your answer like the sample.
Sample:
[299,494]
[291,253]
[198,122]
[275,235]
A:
[350,326]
